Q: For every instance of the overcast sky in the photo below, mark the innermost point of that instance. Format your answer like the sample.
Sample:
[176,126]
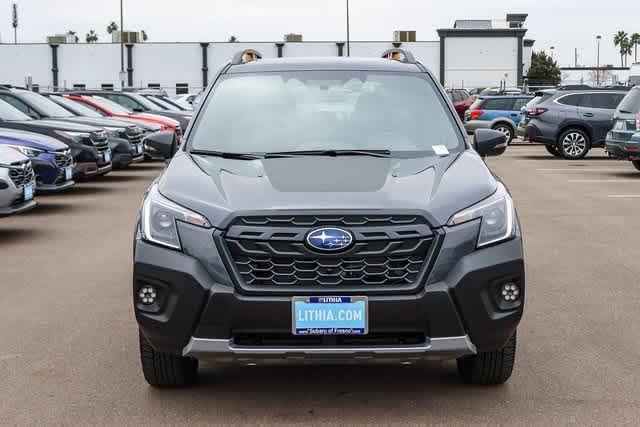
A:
[565,24]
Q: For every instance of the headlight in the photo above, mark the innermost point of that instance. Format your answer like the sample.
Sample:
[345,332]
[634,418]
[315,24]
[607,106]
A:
[75,136]
[29,152]
[497,214]
[159,216]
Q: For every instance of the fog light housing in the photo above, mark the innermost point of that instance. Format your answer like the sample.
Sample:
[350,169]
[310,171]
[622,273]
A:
[510,292]
[147,295]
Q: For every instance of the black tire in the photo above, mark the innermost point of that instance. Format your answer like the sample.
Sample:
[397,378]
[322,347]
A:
[574,144]
[490,368]
[553,150]
[506,129]
[636,164]
[164,370]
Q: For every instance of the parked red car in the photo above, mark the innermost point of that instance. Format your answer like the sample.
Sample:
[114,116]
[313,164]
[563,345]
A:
[111,109]
[461,99]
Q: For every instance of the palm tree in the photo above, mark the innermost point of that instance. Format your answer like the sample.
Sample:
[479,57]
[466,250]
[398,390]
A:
[621,40]
[635,40]
[73,33]
[92,37]
[112,27]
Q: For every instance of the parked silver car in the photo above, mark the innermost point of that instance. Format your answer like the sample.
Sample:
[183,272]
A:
[17,182]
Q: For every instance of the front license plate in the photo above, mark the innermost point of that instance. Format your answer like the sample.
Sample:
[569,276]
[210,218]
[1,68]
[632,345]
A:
[330,315]
[68,173]
[107,156]
[28,192]
[139,149]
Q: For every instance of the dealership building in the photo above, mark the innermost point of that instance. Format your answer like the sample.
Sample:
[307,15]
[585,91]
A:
[473,53]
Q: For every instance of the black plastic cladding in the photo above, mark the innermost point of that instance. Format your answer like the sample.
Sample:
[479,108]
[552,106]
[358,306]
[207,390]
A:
[266,255]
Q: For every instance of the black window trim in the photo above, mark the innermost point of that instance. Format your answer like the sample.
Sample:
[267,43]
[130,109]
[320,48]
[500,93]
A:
[613,92]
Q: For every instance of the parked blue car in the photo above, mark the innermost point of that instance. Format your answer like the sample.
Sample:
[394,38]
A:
[51,159]
[501,113]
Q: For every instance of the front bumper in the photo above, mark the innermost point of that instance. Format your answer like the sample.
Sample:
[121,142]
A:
[17,208]
[90,169]
[200,312]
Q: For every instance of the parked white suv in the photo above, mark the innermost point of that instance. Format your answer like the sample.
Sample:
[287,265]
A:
[17,182]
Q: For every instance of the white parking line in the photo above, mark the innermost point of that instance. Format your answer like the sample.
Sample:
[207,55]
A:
[578,169]
[618,181]
[624,196]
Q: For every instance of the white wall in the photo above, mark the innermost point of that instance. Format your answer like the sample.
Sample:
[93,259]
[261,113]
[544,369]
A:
[473,61]
[18,61]
[481,61]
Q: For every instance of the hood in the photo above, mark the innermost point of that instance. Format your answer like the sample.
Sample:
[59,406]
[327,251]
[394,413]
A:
[9,155]
[157,118]
[94,121]
[436,187]
[59,125]
[31,140]
[144,124]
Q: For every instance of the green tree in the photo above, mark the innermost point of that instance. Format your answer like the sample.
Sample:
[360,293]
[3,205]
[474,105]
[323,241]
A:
[92,37]
[544,70]
[112,27]
[145,37]
[621,40]
[635,40]
[233,39]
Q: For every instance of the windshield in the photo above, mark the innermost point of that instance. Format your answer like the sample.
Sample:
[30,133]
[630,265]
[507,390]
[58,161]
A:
[75,107]
[110,105]
[162,103]
[631,102]
[45,106]
[10,114]
[325,110]
[144,101]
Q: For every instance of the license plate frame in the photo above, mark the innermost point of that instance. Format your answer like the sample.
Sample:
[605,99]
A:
[354,320]
[68,173]
[107,156]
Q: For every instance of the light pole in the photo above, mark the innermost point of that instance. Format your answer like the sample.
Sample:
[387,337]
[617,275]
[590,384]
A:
[121,46]
[348,32]
[598,38]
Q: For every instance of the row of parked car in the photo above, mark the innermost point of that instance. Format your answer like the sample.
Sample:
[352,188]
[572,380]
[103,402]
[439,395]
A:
[569,121]
[48,141]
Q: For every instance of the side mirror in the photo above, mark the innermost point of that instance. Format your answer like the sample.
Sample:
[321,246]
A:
[161,145]
[489,142]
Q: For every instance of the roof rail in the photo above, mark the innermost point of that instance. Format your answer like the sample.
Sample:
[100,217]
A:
[247,55]
[399,55]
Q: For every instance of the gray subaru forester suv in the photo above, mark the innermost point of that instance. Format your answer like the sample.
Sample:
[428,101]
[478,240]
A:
[328,210]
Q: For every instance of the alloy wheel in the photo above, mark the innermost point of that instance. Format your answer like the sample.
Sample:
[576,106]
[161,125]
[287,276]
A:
[574,144]
[505,130]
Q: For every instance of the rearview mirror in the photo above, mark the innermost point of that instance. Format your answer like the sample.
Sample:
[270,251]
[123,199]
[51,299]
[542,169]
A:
[489,142]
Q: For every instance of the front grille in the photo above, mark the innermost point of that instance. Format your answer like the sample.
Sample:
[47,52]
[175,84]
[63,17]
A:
[21,173]
[389,253]
[99,140]
[63,159]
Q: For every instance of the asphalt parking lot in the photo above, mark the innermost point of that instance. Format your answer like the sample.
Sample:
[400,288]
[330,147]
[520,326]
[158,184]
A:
[69,352]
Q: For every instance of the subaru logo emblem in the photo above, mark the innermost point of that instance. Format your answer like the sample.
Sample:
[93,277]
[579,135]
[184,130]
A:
[329,239]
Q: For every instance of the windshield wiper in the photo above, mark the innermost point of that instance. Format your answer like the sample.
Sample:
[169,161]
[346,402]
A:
[333,153]
[226,155]
[239,156]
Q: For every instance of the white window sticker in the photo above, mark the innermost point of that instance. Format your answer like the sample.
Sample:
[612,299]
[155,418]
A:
[440,150]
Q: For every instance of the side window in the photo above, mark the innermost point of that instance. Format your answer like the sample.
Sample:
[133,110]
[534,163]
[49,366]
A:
[520,102]
[607,101]
[19,105]
[502,104]
[574,100]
